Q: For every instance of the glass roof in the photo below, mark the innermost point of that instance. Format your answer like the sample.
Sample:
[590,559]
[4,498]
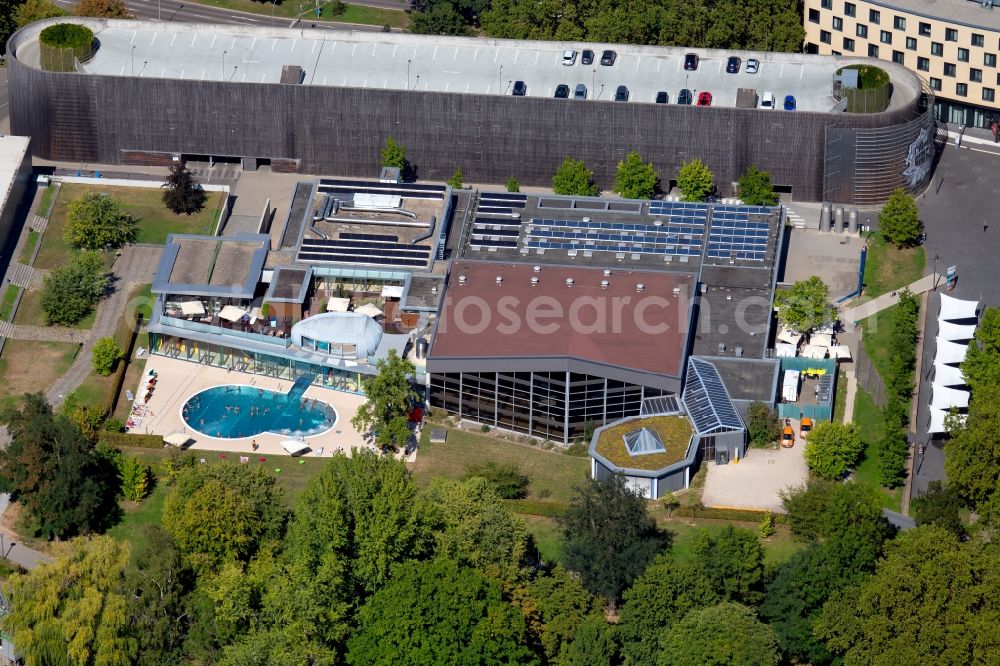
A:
[643,441]
[664,404]
[707,401]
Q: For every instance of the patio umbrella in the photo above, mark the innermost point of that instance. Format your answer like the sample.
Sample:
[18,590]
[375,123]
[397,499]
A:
[177,439]
[193,308]
[338,304]
[369,309]
[232,313]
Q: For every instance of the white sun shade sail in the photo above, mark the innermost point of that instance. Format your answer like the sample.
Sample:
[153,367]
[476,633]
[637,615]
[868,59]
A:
[943,397]
[231,313]
[369,309]
[949,352]
[840,351]
[954,308]
[784,350]
[821,339]
[338,305]
[294,446]
[791,337]
[812,351]
[948,375]
[938,417]
[950,331]
[392,291]
[192,308]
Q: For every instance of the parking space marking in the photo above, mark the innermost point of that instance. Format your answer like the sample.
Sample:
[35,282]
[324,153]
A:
[394,48]
[244,76]
[262,77]
[466,87]
[537,55]
[385,84]
[475,55]
[173,39]
[344,82]
[122,73]
[496,55]
[193,39]
[435,56]
[802,70]
[324,80]
[313,50]
[450,71]
[274,44]
[253,43]
[365,84]
[517,52]
[134,33]
[212,45]
[153,41]
[353,50]
[182,74]
[446,86]
[202,75]
[455,59]
[294,42]
[781,72]
[659,61]
[678,68]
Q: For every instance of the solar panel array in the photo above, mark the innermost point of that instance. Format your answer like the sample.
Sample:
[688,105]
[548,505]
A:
[706,400]
[739,232]
[381,253]
[679,211]
[408,190]
[618,237]
[664,404]
[375,238]
[497,223]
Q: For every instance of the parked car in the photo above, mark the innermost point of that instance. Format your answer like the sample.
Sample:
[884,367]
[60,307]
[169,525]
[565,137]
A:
[569,57]
[704,98]
[580,92]
[789,103]
[662,97]
[520,90]
[621,94]
[787,437]
[691,62]
[608,58]
[587,58]
[767,100]
[684,97]
[753,66]
[562,91]
[733,65]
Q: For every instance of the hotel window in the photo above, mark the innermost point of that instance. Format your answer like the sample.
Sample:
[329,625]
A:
[950,35]
[990,59]
[898,58]
[838,23]
[935,84]
[978,40]
[862,30]
[949,69]
[937,49]
[988,95]
[826,4]
[925,29]
[885,37]
[963,55]
[961,89]
[976,75]
[814,16]
[824,36]
[899,23]
[873,50]
[923,64]
[911,43]
[874,16]
[848,44]
[849,9]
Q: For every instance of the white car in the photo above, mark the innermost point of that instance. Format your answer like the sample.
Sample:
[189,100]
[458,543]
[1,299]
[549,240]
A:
[767,100]
[753,66]
[569,57]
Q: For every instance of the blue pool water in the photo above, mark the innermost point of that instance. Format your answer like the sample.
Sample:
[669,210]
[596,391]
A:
[231,412]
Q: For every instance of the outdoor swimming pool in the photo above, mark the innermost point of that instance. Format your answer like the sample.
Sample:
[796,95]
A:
[232,412]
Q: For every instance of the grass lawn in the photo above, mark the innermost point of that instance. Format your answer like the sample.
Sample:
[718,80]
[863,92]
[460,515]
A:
[136,514]
[868,418]
[778,548]
[29,312]
[547,535]
[397,18]
[553,474]
[877,339]
[889,268]
[7,304]
[840,399]
[46,200]
[27,366]
[29,246]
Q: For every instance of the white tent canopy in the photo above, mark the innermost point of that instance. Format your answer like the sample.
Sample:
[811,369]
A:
[943,397]
[177,438]
[784,350]
[294,446]
[950,331]
[191,308]
[369,309]
[938,417]
[392,291]
[231,313]
[338,304]
[840,351]
[949,352]
[812,351]
[821,339]
[791,337]
[954,308]
[948,375]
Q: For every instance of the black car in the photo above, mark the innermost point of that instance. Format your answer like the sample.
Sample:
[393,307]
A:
[562,91]
[621,94]
[733,65]
[608,58]
[691,62]
[684,97]
[520,90]
[662,97]
[587,58]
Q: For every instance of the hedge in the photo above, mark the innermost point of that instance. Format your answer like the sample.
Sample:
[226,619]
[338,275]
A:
[537,508]
[125,440]
[62,44]
[713,513]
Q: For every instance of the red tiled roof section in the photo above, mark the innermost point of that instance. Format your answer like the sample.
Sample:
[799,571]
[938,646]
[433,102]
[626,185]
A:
[616,324]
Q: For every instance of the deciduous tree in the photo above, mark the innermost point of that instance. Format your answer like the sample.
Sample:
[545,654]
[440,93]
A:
[726,634]
[636,179]
[103,9]
[982,356]
[389,395]
[805,305]
[97,221]
[941,505]
[507,479]
[438,19]
[732,560]
[181,194]
[972,453]
[456,182]
[695,180]
[832,449]
[574,178]
[593,644]
[35,10]
[68,293]
[555,605]
[104,355]
[393,154]
[899,221]
[755,188]
[134,476]
[763,426]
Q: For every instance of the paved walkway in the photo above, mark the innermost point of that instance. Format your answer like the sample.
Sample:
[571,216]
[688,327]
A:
[852,390]
[867,309]
[14,551]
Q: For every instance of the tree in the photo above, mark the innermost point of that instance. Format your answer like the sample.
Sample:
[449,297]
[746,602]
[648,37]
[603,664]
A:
[593,644]
[69,292]
[899,222]
[455,182]
[755,188]
[635,179]
[982,356]
[513,185]
[555,606]
[507,480]
[972,453]
[763,425]
[609,539]
[941,505]
[726,634]
[55,472]
[893,450]
[732,560]
[96,221]
[932,600]
[439,19]
[832,448]
[182,194]
[805,305]
[105,355]
[73,611]
[393,155]
[135,478]
[574,178]
[36,10]
[222,512]
[822,509]
[695,180]
[389,395]
[457,616]
[103,9]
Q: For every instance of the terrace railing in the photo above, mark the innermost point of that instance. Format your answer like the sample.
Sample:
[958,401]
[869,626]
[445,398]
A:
[224,332]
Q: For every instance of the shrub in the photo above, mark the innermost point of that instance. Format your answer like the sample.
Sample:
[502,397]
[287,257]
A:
[764,427]
[832,448]
[69,292]
[97,221]
[105,354]
[899,220]
[574,178]
[60,45]
[456,182]
[695,180]
[507,479]
[513,185]
[135,478]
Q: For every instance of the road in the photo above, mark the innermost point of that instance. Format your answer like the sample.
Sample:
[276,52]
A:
[191,12]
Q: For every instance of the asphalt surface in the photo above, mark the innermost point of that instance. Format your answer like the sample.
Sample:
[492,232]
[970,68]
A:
[4,102]
[961,213]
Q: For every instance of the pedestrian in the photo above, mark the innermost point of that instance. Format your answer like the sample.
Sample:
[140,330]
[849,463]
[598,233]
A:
[985,227]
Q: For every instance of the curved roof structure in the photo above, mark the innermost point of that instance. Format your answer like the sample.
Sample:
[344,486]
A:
[707,401]
[340,328]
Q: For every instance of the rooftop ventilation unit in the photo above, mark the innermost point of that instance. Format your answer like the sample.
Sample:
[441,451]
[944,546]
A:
[640,287]
[499,280]
[569,282]
[604,284]
[607,272]
[462,279]
[534,281]
[536,269]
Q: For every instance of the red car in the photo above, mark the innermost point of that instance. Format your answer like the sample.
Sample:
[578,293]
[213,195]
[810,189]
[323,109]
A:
[704,98]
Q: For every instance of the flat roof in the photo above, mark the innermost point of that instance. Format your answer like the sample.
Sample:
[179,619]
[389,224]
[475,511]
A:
[13,150]
[400,61]
[195,265]
[615,325]
[970,13]
[674,432]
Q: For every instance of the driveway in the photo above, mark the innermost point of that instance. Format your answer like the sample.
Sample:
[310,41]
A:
[755,482]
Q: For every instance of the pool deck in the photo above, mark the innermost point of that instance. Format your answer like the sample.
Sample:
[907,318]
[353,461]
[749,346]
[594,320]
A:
[179,380]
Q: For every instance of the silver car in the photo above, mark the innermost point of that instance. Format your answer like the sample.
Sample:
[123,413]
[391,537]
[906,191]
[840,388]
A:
[753,66]
[580,92]
[569,57]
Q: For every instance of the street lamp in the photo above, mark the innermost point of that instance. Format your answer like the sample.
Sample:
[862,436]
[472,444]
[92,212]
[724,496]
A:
[272,11]
[500,83]
[224,65]
[593,81]
[133,60]
[408,72]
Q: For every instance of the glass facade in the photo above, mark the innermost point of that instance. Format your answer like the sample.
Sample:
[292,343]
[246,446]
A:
[255,363]
[538,403]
